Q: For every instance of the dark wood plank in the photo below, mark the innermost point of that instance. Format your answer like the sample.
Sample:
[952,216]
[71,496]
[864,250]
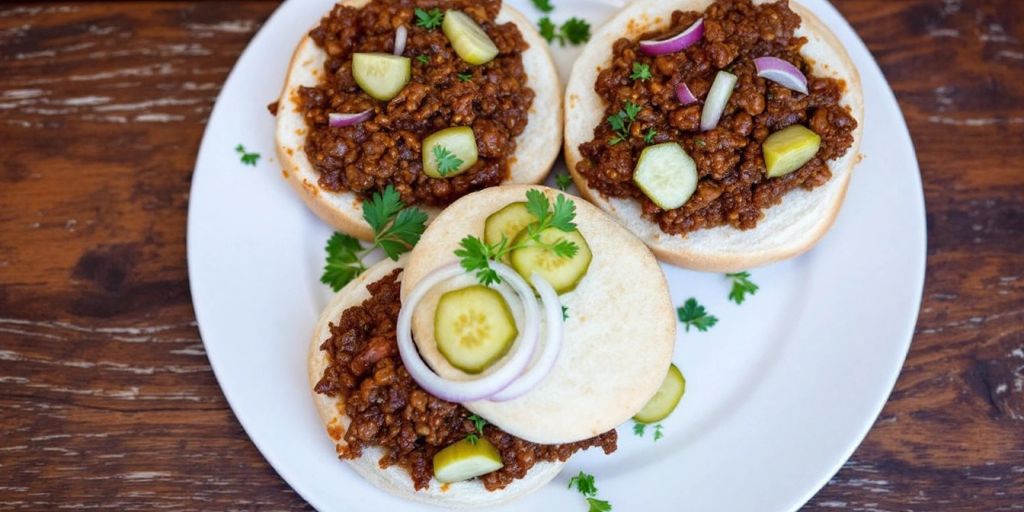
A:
[106,396]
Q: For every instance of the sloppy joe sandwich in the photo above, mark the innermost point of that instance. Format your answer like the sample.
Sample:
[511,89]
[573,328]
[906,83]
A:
[437,98]
[468,371]
[722,133]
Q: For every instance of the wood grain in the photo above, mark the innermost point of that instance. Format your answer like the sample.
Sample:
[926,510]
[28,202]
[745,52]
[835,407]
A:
[106,396]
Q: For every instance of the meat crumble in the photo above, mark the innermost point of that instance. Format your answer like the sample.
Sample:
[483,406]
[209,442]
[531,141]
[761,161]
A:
[733,187]
[389,409]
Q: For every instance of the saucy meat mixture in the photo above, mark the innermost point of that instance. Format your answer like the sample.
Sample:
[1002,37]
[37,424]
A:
[388,409]
[366,157]
[733,187]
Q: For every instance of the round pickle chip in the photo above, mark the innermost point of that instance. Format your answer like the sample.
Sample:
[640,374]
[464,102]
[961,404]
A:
[465,459]
[665,399]
[507,223]
[473,327]
[563,273]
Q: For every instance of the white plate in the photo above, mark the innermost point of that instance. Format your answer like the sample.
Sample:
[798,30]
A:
[779,394]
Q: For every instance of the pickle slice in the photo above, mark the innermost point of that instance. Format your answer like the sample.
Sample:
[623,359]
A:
[468,39]
[789,149]
[381,75]
[666,174]
[665,400]
[449,152]
[464,460]
[473,327]
[507,222]
[563,273]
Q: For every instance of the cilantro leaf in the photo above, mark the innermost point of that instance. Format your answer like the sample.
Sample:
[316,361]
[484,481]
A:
[478,423]
[631,109]
[383,205]
[575,30]
[563,215]
[584,483]
[543,5]
[447,162]
[472,438]
[474,256]
[563,181]
[650,135]
[247,158]
[693,314]
[597,505]
[400,237]
[464,77]
[640,72]
[638,428]
[429,19]
[424,59]
[565,314]
[622,122]
[537,204]
[741,286]
[343,263]
[547,29]
[565,249]
[657,432]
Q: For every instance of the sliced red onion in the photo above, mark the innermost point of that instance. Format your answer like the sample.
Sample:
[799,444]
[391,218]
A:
[554,333]
[676,43]
[781,72]
[401,35]
[497,378]
[684,95]
[336,120]
[718,98]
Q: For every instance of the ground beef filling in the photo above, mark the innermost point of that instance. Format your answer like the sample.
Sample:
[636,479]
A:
[388,409]
[386,149]
[733,188]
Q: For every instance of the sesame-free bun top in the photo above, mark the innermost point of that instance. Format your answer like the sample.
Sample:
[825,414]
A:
[619,335]
[787,229]
[536,148]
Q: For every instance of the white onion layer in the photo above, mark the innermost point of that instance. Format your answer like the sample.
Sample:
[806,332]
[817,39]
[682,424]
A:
[401,35]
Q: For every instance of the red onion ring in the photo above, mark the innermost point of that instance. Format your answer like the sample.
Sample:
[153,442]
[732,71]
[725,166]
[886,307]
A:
[718,98]
[676,43]
[498,378]
[781,72]
[684,95]
[335,120]
[401,35]
[554,334]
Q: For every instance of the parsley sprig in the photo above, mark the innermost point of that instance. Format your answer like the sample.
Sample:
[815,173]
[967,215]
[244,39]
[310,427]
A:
[543,5]
[563,181]
[447,162]
[478,424]
[584,483]
[429,19]
[396,229]
[247,158]
[465,77]
[692,314]
[640,428]
[741,286]
[475,255]
[650,135]
[574,31]
[640,72]
[622,122]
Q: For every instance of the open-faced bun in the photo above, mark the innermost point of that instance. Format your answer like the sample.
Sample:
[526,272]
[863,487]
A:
[619,335]
[786,230]
[536,148]
[395,480]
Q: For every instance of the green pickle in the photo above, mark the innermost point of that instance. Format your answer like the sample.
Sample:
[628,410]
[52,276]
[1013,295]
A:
[507,223]
[381,75]
[789,149]
[562,273]
[665,399]
[473,327]
[464,460]
[666,174]
[459,141]
[469,40]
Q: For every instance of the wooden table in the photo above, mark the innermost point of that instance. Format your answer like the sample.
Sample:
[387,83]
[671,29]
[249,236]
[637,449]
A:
[106,396]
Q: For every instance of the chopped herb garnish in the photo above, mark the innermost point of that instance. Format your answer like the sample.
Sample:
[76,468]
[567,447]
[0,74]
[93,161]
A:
[474,255]
[597,505]
[429,19]
[639,428]
[657,432]
[447,162]
[650,135]
[247,158]
[543,5]
[623,121]
[692,314]
[478,424]
[741,286]
[396,229]
[547,29]
[584,483]
[576,30]
[700,142]
[563,181]
[423,59]
[640,72]
[565,314]
[465,77]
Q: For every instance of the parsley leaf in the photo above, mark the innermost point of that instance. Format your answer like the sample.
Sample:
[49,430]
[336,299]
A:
[741,286]
[400,237]
[597,505]
[564,213]
[343,263]
[657,432]
[575,30]
[381,207]
[247,158]
[465,77]
[447,162]
[638,428]
[622,121]
[472,438]
[473,256]
[424,59]
[563,181]
[640,72]
[547,29]
[584,484]
[543,5]
[537,204]
[650,135]
[693,314]
[565,314]
[429,20]
[478,424]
